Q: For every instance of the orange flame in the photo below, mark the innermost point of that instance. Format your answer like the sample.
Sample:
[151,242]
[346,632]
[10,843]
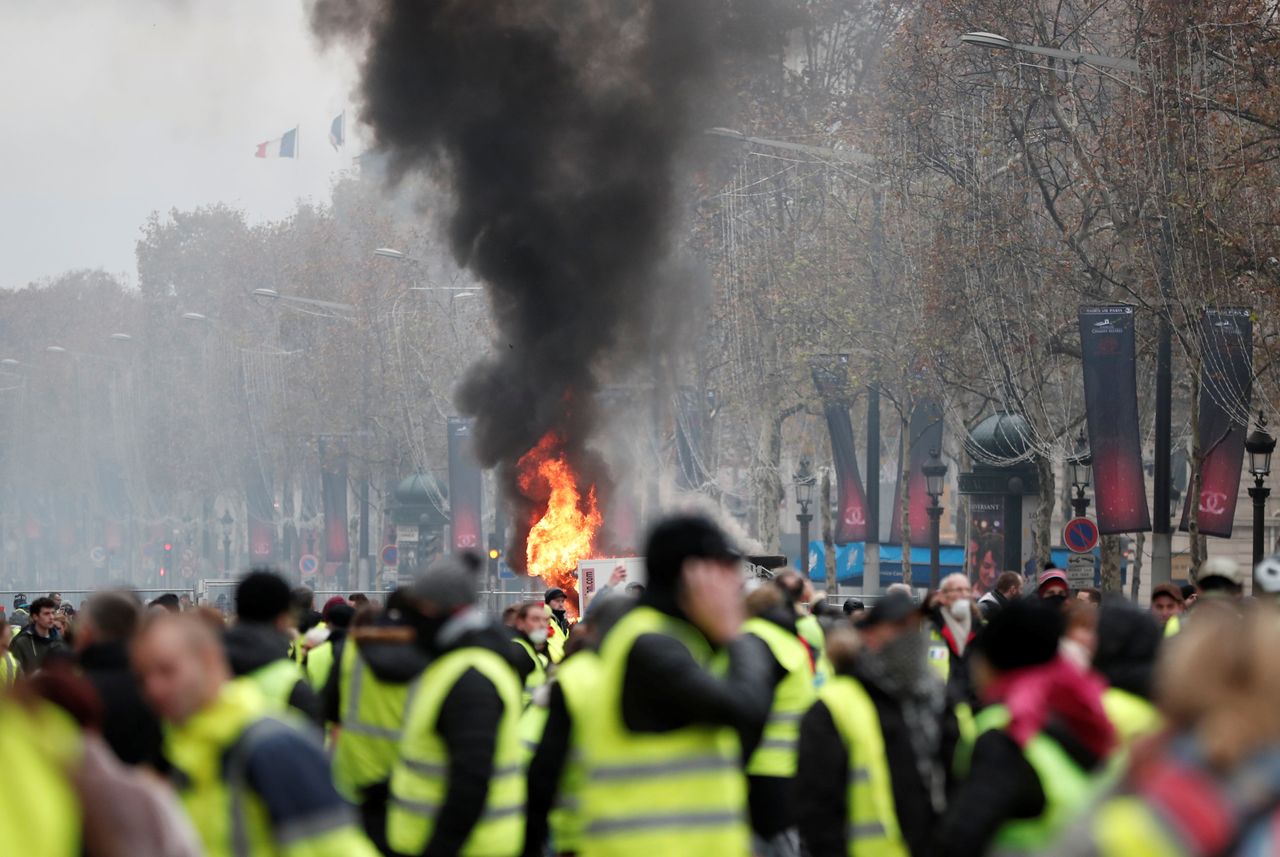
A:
[566,532]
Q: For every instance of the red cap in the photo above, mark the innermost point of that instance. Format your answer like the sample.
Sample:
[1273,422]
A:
[1051,574]
[330,604]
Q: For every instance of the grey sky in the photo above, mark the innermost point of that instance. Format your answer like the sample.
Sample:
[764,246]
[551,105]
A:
[111,109]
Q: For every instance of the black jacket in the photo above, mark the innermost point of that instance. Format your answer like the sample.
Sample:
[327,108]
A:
[128,725]
[823,776]
[663,689]
[252,645]
[468,726]
[31,649]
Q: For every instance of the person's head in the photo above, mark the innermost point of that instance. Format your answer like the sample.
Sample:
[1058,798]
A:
[1166,601]
[889,618]
[263,596]
[447,588]
[555,599]
[955,593]
[1220,678]
[1090,596]
[303,600]
[43,611]
[180,664]
[1024,634]
[20,603]
[854,609]
[108,617]
[169,602]
[332,602]
[900,588]
[633,589]
[340,616]
[1009,584]
[510,614]
[56,598]
[792,586]
[1189,595]
[1052,586]
[765,598]
[184,601]
[1221,578]
[1081,631]
[531,620]
[1128,641]
[990,548]
[677,541]
[358,600]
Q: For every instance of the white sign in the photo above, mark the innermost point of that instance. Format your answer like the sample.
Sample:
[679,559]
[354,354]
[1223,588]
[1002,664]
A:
[1080,570]
[407,533]
[593,574]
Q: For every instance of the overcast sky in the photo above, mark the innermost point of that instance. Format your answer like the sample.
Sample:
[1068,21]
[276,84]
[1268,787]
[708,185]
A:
[110,109]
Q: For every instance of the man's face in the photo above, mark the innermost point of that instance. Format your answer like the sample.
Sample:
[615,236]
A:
[879,636]
[1163,606]
[1082,595]
[175,678]
[57,598]
[955,590]
[529,621]
[44,619]
[557,604]
[1054,589]
[988,571]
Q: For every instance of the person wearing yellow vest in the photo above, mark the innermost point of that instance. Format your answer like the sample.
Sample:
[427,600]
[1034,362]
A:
[1128,641]
[251,781]
[458,786]
[954,621]
[319,660]
[9,667]
[1042,740]
[875,749]
[676,691]
[799,593]
[1211,784]
[378,673]
[771,753]
[528,636]
[558,624]
[257,644]
[40,810]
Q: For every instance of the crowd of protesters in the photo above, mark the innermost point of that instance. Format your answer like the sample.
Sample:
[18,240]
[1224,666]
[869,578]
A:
[705,712]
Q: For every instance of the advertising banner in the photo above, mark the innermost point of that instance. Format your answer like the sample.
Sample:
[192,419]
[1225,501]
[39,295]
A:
[985,558]
[1107,346]
[262,518]
[831,378]
[1226,387]
[465,485]
[333,497]
[924,435]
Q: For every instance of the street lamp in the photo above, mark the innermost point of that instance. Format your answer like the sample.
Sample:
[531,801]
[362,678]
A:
[390,253]
[226,522]
[1259,444]
[997,42]
[121,337]
[195,316]
[1081,464]
[272,294]
[935,475]
[804,480]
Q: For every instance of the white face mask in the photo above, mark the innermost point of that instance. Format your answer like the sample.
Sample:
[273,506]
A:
[959,609]
[538,635]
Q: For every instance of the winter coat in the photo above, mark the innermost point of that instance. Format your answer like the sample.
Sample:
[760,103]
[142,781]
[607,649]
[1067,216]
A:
[128,725]
[31,649]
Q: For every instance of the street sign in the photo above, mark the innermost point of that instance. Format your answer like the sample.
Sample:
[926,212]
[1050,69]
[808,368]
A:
[406,533]
[1080,535]
[188,571]
[308,564]
[1080,570]
[98,555]
[390,556]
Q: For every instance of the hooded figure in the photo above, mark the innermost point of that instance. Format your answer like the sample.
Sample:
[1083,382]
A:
[1128,641]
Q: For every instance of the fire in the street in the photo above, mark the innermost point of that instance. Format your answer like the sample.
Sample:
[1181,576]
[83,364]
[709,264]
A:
[566,531]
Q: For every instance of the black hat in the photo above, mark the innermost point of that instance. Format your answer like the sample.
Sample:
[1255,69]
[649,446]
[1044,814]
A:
[893,607]
[340,616]
[552,594]
[680,538]
[1025,633]
[852,605]
[261,596]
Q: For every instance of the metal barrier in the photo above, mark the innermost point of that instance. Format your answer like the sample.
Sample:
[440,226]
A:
[75,597]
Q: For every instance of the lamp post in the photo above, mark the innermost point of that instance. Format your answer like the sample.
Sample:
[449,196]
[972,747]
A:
[1259,444]
[935,474]
[1081,464]
[804,480]
[226,522]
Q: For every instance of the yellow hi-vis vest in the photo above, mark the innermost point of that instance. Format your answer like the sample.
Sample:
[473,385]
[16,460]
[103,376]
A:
[872,818]
[373,713]
[556,638]
[939,655]
[40,811]
[1067,789]
[537,677]
[810,629]
[275,681]
[10,669]
[673,793]
[577,678]
[1132,716]
[420,778]
[212,749]
[776,754]
[318,664]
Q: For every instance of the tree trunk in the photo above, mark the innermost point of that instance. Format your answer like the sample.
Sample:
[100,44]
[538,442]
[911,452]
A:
[1111,564]
[1199,549]
[769,492]
[1044,512]
[904,479]
[1135,571]
[828,536]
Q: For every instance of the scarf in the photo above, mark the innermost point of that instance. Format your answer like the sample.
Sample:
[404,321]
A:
[961,630]
[1060,690]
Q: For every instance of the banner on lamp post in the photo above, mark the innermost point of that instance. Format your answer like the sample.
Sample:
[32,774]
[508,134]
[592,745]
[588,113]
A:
[1226,388]
[924,435]
[465,486]
[333,494]
[831,378]
[1109,357]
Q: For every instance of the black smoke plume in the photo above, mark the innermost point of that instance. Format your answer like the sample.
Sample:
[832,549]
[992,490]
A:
[560,125]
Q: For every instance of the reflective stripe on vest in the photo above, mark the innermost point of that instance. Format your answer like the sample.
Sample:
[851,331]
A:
[775,756]
[675,793]
[939,655]
[420,778]
[872,817]
[537,677]
[373,713]
[577,678]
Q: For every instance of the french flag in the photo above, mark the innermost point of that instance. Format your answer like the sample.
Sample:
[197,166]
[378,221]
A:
[285,146]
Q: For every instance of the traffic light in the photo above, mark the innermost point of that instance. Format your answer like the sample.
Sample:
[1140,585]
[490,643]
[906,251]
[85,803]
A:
[494,554]
[167,560]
